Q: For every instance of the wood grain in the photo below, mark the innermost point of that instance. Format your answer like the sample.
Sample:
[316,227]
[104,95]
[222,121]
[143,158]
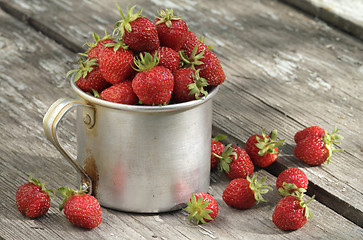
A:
[284,71]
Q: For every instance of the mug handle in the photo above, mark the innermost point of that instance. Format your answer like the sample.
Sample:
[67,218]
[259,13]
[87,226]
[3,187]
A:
[51,119]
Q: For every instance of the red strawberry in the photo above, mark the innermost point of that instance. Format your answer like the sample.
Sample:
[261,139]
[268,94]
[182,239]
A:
[242,193]
[120,93]
[235,162]
[202,207]
[172,30]
[211,69]
[32,198]
[262,149]
[192,41]
[315,150]
[188,85]
[168,58]
[115,62]
[99,43]
[309,131]
[291,212]
[88,76]
[137,32]
[153,84]
[216,149]
[80,209]
[291,180]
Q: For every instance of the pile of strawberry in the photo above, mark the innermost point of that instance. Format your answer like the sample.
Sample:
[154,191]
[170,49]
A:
[314,146]
[148,62]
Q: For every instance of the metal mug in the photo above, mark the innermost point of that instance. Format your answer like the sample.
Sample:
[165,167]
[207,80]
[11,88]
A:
[136,158]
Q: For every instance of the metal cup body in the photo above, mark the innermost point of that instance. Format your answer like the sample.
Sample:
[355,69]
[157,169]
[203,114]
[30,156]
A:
[146,158]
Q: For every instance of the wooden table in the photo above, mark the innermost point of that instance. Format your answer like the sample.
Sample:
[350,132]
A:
[285,70]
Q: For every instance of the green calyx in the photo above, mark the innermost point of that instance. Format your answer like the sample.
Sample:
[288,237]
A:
[194,59]
[329,140]
[124,23]
[66,192]
[41,185]
[146,62]
[197,88]
[116,45]
[303,204]
[258,188]
[288,189]
[198,210]
[166,16]
[97,39]
[226,158]
[219,137]
[85,66]
[268,144]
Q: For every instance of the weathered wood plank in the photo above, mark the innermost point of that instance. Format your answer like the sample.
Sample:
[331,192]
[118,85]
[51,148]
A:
[295,70]
[31,89]
[343,14]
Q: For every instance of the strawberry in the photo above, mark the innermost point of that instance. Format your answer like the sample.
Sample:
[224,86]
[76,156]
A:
[242,193]
[152,84]
[262,149]
[94,48]
[120,93]
[190,43]
[80,209]
[168,58]
[290,180]
[291,212]
[137,32]
[315,150]
[211,69]
[309,131]
[235,162]
[216,150]
[88,76]
[115,62]
[33,199]
[188,85]
[202,207]
[172,30]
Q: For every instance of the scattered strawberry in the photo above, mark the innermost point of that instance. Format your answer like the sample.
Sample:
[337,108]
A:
[153,84]
[188,85]
[315,150]
[235,162]
[262,149]
[137,31]
[115,62]
[33,199]
[168,58]
[80,209]
[202,207]
[88,76]
[242,193]
[211,69]
[172,30]
[216,150]
[290,180]
[309,132]
[190,43]
[291,212]
[120,93]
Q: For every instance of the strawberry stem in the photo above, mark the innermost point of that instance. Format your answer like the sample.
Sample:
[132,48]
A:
[268,144]
[258,188]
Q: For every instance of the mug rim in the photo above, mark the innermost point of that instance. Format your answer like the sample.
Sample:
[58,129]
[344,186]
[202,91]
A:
[142,108]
